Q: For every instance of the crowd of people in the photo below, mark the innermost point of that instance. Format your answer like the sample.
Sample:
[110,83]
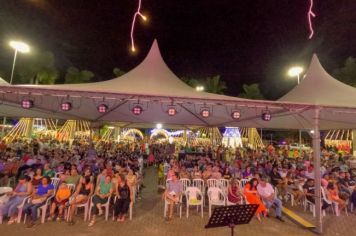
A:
[266,177]
[65,176]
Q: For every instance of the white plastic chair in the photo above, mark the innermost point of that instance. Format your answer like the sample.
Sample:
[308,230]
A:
[199,183]
[43,209]
[106,206]
[20,208]
[223,185]
[55,182]
[310,204]
[326,199]
[185,184]
[83,205]
[216,198]
[130,209]
[179,207]
[212,183]
[243,182]
[194,197]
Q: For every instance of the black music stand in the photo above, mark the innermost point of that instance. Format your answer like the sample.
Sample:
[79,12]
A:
[231,216]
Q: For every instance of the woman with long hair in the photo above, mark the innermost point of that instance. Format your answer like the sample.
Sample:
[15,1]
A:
[252,197]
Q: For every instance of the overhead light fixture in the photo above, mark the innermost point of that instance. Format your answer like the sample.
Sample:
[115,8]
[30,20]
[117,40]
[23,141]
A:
[27,104]
[266,115]
[137,110]
[66,106]
[171,111]
[236,115]
[205,113]
[159,126]
[102,108]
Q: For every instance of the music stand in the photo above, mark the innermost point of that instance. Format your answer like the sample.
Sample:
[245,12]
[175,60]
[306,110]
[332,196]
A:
[231,216]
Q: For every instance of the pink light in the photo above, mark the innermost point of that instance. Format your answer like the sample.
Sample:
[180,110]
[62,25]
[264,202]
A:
[310,15]
[138,12]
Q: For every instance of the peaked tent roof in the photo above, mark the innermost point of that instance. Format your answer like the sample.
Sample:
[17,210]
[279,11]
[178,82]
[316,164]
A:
[320,88]
[151,77]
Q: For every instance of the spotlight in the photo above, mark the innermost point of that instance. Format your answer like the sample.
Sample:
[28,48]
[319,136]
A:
[102,108]
[235,115]
[171,111]
[27,104]
[205,113]
[66,106]
[266,115]
[159,126]
[137,110]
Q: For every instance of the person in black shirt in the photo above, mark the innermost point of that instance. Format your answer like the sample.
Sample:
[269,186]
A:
[309,190]
[123,198]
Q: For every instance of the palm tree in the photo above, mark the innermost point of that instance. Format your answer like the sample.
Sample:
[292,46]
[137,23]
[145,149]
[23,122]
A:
[76,76]
[118,72]
[251,91]
[215,85]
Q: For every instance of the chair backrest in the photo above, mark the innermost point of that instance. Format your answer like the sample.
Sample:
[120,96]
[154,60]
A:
[223,183]
[192,193]
[55,182]
[216,194]
[199,183]
[243,182]
[324,195]
[71,187]
[212,183]
[185,183]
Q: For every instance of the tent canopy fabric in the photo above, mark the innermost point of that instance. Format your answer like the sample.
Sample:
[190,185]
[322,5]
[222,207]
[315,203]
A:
[320,88]
[155,88]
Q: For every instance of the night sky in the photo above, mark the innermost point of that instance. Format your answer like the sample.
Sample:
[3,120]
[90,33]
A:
[244,41]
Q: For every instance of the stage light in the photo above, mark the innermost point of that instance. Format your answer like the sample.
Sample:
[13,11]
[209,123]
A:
[235,115]
[66,106]
[137,110]
[159,126]
[27,104]
[205,113]
[102,108]
[266,115]
[171,111]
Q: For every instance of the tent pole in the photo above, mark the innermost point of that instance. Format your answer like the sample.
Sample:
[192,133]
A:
[316,150]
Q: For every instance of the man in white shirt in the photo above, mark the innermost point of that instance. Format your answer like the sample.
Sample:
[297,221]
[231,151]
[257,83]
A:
[266,191]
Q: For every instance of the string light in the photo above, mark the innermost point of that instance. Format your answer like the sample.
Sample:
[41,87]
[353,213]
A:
[137,13]
[310,15]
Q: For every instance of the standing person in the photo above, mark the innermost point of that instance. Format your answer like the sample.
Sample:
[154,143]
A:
[124,196]
[39,197]
[252,197]
[172,194]
[22,190]
[102,194]
[268,195]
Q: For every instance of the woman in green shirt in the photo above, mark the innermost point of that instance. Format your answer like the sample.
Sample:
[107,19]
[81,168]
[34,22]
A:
[47,171]
[102,193]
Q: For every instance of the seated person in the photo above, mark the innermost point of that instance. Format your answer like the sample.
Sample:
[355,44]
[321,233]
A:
[333,194]
[82,194]
[124,195]
[268,196]
[60,199]
[309,190]
[22,190]
[173,193]
[102,194]
[38,198]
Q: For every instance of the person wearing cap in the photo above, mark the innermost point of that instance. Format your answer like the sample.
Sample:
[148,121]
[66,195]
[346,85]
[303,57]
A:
[268,195]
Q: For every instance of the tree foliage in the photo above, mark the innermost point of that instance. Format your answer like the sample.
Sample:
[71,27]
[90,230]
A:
[38,68]
[118,72]
[347,73]
[251,91]
[211,84]
[76,76]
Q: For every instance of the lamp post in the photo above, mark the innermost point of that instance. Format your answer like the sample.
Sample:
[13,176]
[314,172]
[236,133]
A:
[18,46]
[295,72]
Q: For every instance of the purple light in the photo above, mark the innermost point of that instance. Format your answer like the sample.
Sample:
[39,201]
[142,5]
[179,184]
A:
[137,110]
[27,104]
[66,106]
[102,108]
[266,116]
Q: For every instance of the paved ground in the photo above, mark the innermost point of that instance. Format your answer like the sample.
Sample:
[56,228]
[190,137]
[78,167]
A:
[148,221]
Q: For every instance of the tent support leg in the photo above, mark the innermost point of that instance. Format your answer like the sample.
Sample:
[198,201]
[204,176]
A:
[316,150]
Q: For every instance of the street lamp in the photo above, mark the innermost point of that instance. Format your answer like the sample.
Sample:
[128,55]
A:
[295,72]
[199,88]
[18,46]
